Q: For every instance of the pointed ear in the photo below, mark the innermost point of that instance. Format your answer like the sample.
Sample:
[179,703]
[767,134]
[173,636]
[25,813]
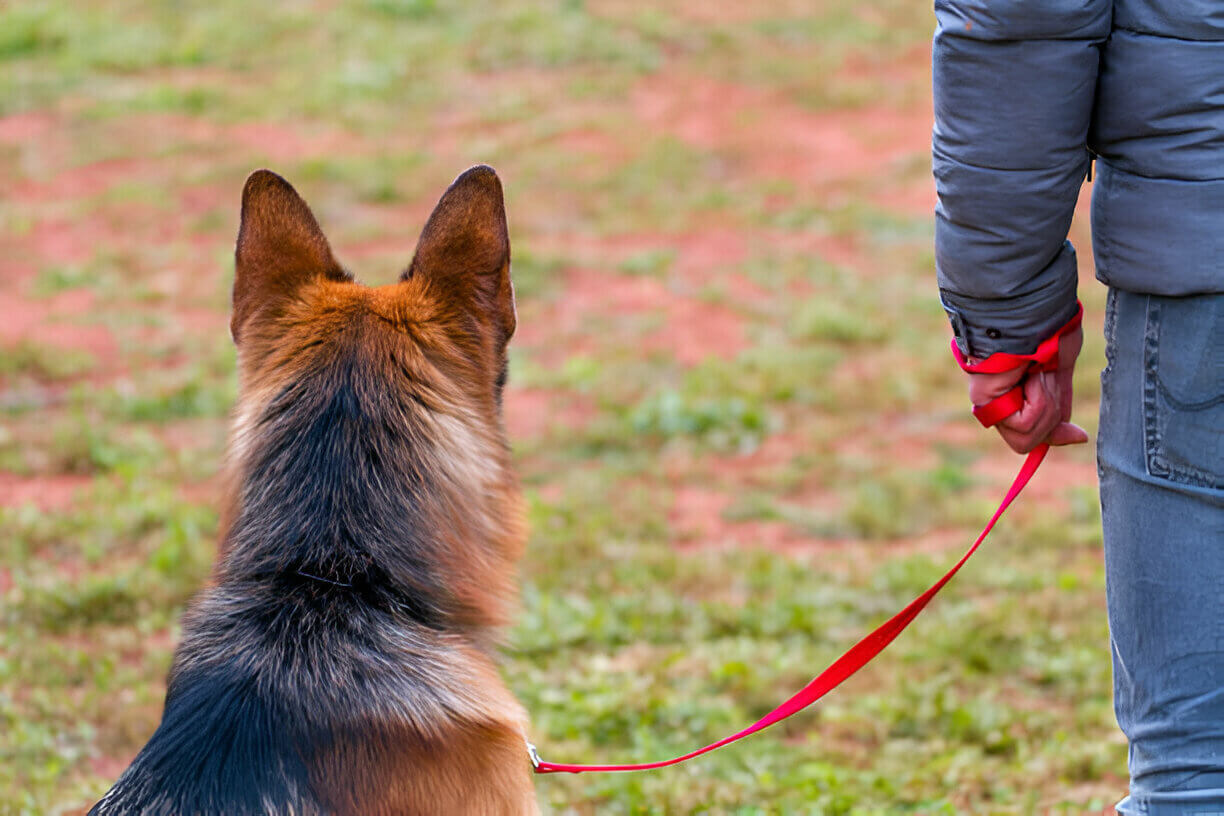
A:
[280,247]
[464,251]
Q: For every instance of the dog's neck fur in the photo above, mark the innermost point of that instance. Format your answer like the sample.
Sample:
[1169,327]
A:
[337,491]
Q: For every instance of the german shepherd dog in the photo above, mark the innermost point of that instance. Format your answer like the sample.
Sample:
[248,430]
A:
[342,658]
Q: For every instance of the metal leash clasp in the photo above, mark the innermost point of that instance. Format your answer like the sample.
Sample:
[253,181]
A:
[535,756]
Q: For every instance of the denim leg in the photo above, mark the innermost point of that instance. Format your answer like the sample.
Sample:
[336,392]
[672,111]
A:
[1160,455]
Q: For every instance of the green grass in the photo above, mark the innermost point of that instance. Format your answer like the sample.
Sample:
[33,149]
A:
[27,359]
[649,262]
[634,640]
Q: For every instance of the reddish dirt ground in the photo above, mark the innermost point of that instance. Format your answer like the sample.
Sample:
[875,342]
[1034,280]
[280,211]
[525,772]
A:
[531,413]
[41,321]
[771,137]
[699,11]
[761,134]
[47,493]
[679,323]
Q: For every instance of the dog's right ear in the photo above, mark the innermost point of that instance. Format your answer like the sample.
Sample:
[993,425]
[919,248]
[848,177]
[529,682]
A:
[464,251]
[280,247]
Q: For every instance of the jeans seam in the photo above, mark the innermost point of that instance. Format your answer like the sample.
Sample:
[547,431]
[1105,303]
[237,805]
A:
[1111,353]
[1151,359]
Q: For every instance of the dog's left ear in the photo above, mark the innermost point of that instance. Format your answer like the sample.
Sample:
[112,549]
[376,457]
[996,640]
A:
[280,248]
[464,251]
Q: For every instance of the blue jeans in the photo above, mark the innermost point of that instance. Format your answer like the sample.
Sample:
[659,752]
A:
[1160,455]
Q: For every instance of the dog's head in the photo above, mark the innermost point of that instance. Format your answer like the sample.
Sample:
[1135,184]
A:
[295,305]
[374,413]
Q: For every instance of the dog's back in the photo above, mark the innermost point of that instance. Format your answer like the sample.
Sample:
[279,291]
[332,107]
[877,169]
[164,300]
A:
[341,661]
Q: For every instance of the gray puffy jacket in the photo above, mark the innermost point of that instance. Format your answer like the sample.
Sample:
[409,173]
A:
[1026,91]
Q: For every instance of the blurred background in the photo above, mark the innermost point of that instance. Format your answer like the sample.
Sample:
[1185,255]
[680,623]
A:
[743,440]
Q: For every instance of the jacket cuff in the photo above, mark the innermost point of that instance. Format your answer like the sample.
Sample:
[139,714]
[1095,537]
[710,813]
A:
[1015,325]
[1045,357]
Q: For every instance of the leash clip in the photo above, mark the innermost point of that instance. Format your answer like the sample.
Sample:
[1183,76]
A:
[535,756]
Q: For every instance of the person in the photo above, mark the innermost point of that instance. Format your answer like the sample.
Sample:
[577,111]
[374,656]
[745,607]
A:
[1027,96]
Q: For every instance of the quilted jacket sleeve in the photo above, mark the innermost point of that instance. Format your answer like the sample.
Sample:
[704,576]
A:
[1013,87]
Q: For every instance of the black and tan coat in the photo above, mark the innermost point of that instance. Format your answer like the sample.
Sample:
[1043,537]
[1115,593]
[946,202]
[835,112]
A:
[342,660]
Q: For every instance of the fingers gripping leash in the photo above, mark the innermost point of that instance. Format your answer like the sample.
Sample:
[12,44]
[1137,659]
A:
[1045,358]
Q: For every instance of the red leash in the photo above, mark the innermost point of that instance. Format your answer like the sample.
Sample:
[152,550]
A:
[1045,358]
[859,655]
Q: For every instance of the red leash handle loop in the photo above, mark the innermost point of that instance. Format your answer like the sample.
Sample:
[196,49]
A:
[857,656]
[1045,358]
[1000,408]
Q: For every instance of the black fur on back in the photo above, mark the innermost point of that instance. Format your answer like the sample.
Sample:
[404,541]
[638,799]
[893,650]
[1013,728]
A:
[221,748]
[326,615]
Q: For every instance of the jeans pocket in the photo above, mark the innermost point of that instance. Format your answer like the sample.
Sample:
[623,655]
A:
[1183,389]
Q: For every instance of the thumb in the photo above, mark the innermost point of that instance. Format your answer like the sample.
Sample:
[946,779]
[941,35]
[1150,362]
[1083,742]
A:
[1066,433]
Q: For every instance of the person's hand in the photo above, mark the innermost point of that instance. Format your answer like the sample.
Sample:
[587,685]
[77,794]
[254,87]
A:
[1046,414]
